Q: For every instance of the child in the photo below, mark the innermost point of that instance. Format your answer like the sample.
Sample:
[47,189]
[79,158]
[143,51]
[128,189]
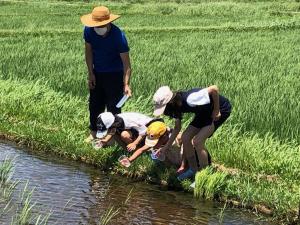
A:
[157,136]
[210,110]
[128,129]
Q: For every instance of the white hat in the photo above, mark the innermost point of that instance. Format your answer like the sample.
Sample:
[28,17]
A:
[104,122]
[161,98]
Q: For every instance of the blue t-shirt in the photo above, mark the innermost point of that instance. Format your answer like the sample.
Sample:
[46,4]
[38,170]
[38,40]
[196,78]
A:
[106,50]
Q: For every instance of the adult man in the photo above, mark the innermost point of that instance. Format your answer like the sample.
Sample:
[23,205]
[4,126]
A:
[108,63]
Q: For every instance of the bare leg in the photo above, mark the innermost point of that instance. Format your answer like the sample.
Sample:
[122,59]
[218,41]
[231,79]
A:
[199,144]
[126,137]
[188,149]
[183,162]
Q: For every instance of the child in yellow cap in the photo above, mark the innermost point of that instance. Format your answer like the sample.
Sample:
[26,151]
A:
[157,136]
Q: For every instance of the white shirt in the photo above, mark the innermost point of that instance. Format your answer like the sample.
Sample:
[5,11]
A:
[200,97]
[136,121]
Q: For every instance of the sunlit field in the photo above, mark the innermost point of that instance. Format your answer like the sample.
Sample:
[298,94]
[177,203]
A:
[249,49]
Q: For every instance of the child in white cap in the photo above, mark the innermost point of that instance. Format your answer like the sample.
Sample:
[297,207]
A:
[128,128]
[210,111]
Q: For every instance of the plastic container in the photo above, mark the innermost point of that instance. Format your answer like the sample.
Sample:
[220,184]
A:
[153,155]
[123,159]
[193,185]
[97,144]
[122,101]
[160,157]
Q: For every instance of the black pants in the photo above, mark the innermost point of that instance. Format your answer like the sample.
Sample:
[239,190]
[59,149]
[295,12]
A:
[107,93]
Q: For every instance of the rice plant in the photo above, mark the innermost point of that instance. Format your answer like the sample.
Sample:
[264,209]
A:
[215,184]
[200,182]
[23,214]
[250,50]
[109,214]
[7,185]
[113,211]
[221,214]
[209,184]
[6,170]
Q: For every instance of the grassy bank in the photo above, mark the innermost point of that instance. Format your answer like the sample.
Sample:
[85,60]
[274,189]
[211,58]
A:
[250,50]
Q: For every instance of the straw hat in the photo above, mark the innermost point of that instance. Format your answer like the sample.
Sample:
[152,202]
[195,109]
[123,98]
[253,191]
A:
[100,16]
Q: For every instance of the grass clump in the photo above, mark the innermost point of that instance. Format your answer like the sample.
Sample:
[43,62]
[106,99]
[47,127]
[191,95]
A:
[281,197]
[209,184]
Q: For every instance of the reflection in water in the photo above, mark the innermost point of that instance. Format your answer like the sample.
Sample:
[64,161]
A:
[79,194]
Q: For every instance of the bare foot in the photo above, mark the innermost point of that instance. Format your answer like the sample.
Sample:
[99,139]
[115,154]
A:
[180,169]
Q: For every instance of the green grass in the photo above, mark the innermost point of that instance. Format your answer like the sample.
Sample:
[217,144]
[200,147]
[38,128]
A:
[281,197]
[209,184]
[250,50]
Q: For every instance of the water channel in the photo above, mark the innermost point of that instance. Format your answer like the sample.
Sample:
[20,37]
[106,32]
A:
[76,193]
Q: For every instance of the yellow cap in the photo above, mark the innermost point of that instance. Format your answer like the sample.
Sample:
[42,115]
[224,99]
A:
[154,131]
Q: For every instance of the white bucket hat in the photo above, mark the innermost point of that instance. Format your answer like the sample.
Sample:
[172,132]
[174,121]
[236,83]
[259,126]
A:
[161,98]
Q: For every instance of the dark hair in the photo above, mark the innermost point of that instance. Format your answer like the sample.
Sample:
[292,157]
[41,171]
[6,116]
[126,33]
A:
[117,127]
[163,139]
[173,108]
[100,125]
[155,120]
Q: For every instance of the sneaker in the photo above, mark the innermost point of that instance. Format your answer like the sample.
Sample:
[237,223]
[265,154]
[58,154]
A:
[187,174]
[192,185]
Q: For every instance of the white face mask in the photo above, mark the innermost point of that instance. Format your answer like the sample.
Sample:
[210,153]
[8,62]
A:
[100,30]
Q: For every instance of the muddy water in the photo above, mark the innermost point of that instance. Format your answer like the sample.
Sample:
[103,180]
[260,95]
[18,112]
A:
[80,194]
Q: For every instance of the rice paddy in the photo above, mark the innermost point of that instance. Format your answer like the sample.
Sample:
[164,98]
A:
[250,50]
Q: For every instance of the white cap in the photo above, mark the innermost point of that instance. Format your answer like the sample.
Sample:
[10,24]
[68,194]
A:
[161,98]
[107,119]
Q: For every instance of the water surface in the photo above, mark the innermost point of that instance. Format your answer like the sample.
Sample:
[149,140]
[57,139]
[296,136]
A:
[79,194]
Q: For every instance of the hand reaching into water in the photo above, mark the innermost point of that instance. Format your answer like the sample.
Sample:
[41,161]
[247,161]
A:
[160,151]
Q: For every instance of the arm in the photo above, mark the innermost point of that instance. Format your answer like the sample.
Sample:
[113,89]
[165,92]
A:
[138,152]
[106,139]
[174,134]
[127,72]
[213,91]
[132,146]
[89,63]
